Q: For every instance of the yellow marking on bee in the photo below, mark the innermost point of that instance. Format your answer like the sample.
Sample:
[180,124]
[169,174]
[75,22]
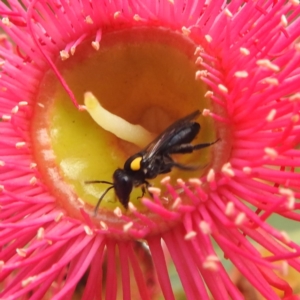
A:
[136,164]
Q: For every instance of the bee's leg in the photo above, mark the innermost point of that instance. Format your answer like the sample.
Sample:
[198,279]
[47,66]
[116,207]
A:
[189,148]
[144,188]
[147,186]
[169,164]
[112,201]
[143,192]
[205,145]
[186,167]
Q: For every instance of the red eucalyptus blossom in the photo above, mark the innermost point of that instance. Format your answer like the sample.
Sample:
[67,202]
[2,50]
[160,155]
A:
[149,62]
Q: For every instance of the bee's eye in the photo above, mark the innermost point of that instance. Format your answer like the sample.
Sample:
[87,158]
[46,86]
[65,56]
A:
[135,165]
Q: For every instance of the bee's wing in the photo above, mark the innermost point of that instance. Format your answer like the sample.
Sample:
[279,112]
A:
[157,146]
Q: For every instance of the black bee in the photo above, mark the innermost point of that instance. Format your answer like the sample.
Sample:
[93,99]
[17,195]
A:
[155,159]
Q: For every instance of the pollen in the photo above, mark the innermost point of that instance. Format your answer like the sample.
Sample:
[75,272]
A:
[291,203]
[96,45]
[72,50]
[185,31]
[199,60]
[211,263]
[165,180]
[137,18]
[290,197]
[32,165]
[6,118]
[247,170]
[117,14]
[240,218]
[295,97]
[244,51]
[64,55]
[154,190]
[89,20]
[270,117]
[241,74]
[41,105]
[131,207]
[21,252]
[211,175]
[6,22]
[103,225]
[198,50]
[223,88]
[206,112]
[229,210]
[266,63]
[127,226]
[40,233]
[270,81]
[205,227]
[33,180]
[176,203]
[285,237]
[208,38]
[180,182]
[59,216]
[190,235]
[212,257]
[228,13]
[285,191]
[27,281]
[200,74]
[195,181]
[88,230]
[15,109]
[227,170]
[271,153]
[80,201]
[118,212]
[208,94]
[284,21]
[20,145]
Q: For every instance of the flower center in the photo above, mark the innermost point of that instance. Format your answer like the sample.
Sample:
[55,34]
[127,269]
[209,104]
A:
[145,76]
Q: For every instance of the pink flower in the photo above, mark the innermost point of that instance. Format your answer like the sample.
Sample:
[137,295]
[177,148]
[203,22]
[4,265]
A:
[247,53]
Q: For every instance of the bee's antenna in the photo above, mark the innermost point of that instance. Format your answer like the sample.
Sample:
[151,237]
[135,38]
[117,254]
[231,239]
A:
[102,196]
[98,181]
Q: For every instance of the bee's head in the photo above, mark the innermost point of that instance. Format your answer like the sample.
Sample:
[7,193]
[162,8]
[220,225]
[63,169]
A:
[123,186]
